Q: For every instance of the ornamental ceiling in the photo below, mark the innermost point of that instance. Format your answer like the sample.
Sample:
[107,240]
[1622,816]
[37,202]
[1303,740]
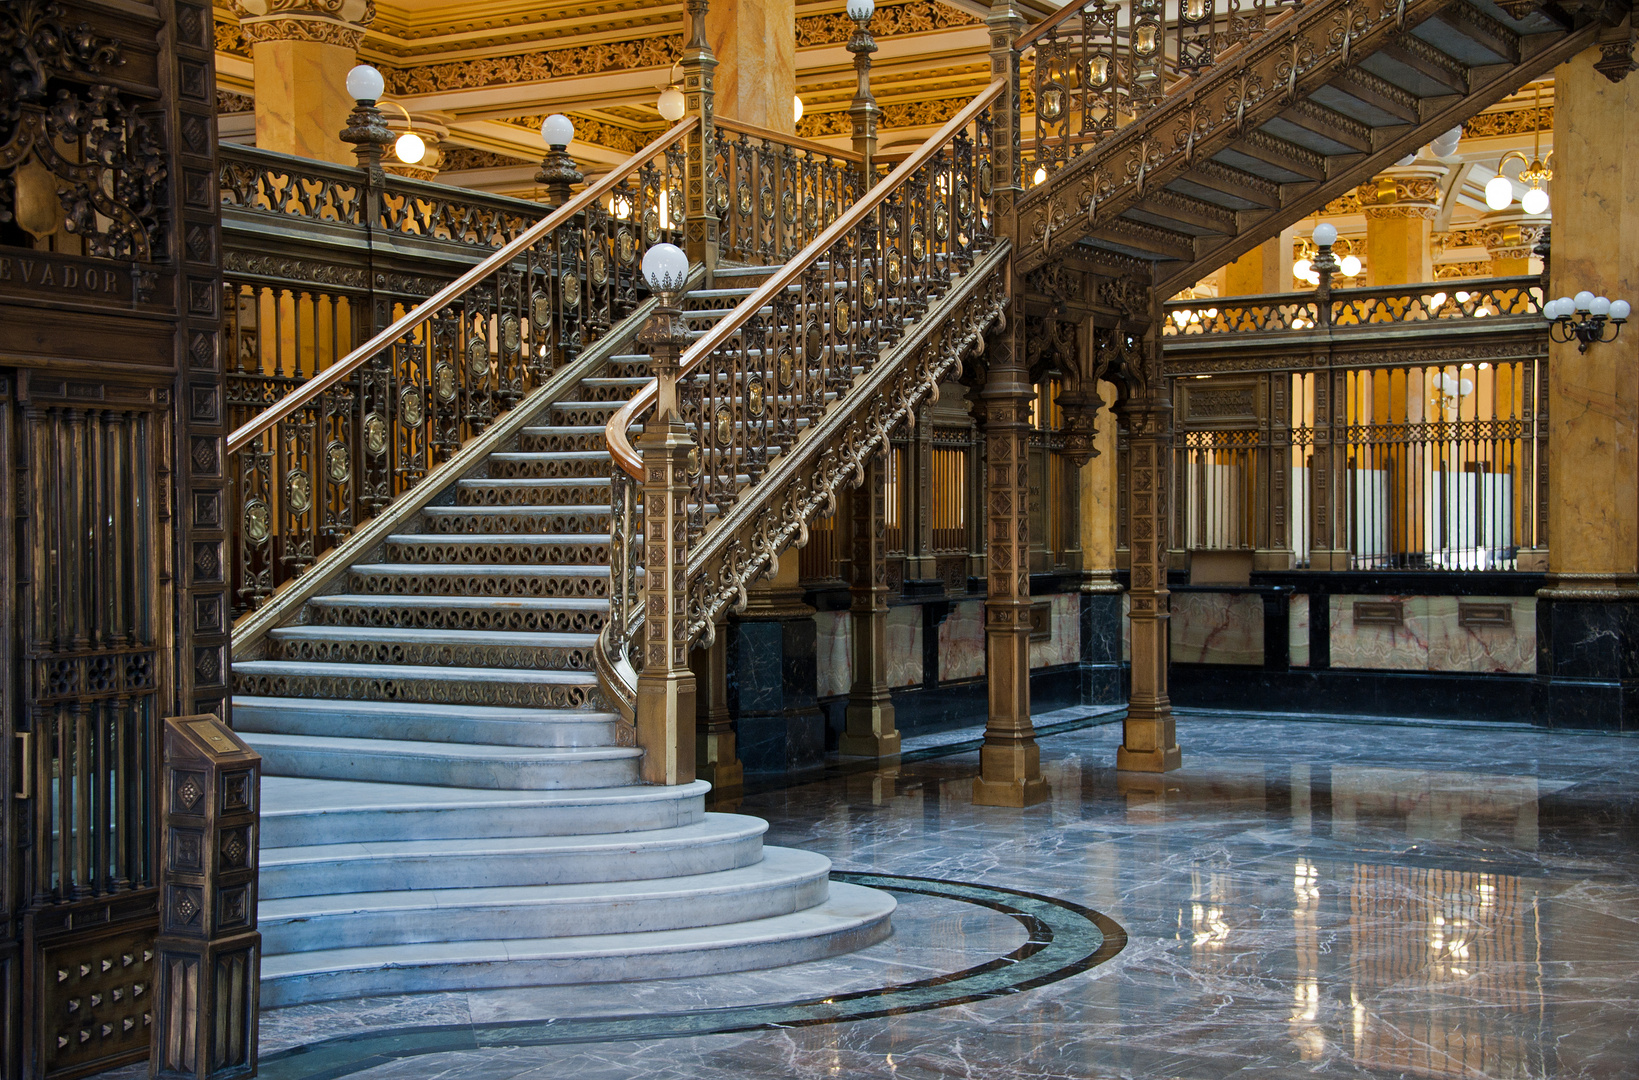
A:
[487,71]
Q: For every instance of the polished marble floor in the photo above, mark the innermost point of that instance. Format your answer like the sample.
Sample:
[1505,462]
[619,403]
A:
[1304,898]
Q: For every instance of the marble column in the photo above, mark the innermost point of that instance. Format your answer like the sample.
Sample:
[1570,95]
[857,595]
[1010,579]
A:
[1261,271]
[301,51]
[715,759]
[773,677]
[1149,740]
[1400,206]
[1009,760]
[755,42]
[1100,595]
[870,728]
[1588,616]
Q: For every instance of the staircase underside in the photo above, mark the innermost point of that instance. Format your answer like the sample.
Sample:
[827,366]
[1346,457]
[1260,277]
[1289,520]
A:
[1224,165]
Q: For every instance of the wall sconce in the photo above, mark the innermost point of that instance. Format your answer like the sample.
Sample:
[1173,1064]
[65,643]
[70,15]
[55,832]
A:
[1584,319]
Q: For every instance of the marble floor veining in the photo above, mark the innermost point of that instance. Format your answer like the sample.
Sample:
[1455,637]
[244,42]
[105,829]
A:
[1303,898]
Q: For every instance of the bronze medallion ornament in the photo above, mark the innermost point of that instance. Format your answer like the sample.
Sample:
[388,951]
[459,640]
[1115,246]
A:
[674,208]
[258,521]
[892,226]
[338,463]
[768,204]
[625,245]
[512,333]
[745,198]
[964,200]
[725,427]
[867,290]
[570,284]
[1050,105]
[815,343]
[477,359]
[754,397]
[919,245]
[694,461]
[540,309]
[810,212]
[410,412]
[941,220]
[597,266]
[985,178]
[896,268]
[375,434]
[830,209]
[651,226]
[720,187]
[785,369]
[444,382]
[788,207]
[299,492]
[840,322]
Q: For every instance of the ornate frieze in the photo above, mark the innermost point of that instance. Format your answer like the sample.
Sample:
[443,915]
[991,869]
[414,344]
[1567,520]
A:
[329,22]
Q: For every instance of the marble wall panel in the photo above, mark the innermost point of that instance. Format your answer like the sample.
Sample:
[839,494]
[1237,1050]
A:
[1126,628]
[1297,628]
[1382,647]
[1064,647]
[962,642]
[834,652]
[905,646]
[1217,628]
[1481,646]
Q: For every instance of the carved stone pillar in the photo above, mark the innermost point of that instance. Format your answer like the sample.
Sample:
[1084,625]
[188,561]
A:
[665,689]
[756,42]
[1009,761]
[870,731]
[1149,742]
[301,51]
[1509,237]
[1400,206]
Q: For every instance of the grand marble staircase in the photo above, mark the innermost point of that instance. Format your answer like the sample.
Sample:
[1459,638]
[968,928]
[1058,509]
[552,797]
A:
[449,801]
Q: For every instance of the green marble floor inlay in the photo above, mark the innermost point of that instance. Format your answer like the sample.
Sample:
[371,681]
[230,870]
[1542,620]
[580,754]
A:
[1065,939]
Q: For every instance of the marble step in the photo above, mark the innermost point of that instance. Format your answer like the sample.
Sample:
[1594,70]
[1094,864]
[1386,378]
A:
[446,764]
[515,520]
[553,615]
[851,918]
[508,549]
[426,683]
[547,465]
[442,648]
[298,812]
[783,882]
[569,491]
[425,723]
[716,842]
[416,580]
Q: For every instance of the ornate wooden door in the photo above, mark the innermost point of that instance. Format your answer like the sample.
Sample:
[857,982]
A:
[111,499]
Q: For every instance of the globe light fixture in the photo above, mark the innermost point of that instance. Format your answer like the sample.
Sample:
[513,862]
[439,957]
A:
[364,83]
[671,103]
[1499,192]
[1325,234]
[1351,266]
[796,109]
[558,131]
[557,172]
[666,269]
[860,10]
[1534,201]
[1584,318]
[1446,145]
[410,148]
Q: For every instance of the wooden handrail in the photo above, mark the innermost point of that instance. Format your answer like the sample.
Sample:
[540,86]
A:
[1032,35]
[770,135]
[267,418]
[620,447]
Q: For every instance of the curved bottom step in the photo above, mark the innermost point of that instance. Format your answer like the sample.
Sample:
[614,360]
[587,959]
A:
[852,918]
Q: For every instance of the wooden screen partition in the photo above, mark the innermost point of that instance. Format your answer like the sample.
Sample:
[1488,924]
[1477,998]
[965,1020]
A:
[111,500]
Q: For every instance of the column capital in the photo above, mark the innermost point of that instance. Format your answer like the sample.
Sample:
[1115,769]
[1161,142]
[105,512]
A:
[328,22]
[1510,234]
[1404,191]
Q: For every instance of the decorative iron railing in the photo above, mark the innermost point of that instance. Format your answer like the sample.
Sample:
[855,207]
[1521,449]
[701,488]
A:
[774,193]
[785,398]
[1094,67]
[354,436]
[1496,298]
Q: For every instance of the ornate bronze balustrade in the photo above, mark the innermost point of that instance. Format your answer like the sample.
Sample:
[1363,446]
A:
[1516,301]
[785,407]
[1095,67]
[354,436]
[774,193]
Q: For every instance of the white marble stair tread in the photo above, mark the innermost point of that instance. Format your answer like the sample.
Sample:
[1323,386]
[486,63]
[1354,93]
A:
[300,812]
[417,722]
[520,539]
[716,842]
[466,765]
[784,881]
[851,918]
[413,672]
[518,603]
[540,639]
[481,570]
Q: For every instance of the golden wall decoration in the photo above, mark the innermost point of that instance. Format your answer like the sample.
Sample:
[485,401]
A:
[654,52]
[1447,271]
[917,17]
[229,102]
[457,158]
[613,136]
[1509,122]
[907,114]
[229,39]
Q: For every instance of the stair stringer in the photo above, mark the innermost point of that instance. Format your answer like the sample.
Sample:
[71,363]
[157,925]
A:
[327,575]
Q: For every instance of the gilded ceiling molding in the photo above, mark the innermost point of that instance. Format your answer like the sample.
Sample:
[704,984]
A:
[329,22]
[229,102]
[535,67]
[1447,271]
[916,17]
[1509,122]
[1347,203]
[612,136]
[458,158]
[229,40]
[903,115]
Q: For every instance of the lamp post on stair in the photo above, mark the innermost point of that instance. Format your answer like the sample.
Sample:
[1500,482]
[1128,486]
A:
[557,172]
[863,111]
[666,687]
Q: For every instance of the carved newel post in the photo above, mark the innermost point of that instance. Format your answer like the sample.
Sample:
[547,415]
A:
[557,172]
[863,111]
[870,731]
[666,688]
